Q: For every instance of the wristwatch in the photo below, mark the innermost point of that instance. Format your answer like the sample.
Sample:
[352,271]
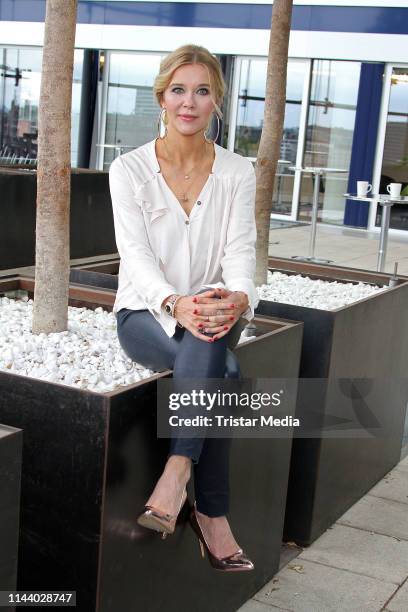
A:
[169,305]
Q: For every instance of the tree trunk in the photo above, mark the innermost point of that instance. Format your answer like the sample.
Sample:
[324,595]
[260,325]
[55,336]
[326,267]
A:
[52,259]
[271,136]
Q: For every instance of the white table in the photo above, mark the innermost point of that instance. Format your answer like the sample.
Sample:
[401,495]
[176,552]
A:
[279,175]
[317,174]
[386,201]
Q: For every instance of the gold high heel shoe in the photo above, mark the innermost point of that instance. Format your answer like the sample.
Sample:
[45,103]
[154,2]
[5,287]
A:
[237,562]
[152,518]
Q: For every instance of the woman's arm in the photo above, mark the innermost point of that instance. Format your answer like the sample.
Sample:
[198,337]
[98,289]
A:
[133,245]
[239,260]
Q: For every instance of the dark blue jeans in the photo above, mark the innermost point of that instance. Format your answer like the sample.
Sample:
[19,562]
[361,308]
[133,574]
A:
[144,341]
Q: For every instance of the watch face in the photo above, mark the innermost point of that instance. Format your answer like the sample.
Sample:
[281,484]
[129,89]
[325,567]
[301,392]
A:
[168,308]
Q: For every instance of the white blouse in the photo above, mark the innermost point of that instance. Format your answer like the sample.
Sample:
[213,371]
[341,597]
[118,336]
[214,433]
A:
[163,250]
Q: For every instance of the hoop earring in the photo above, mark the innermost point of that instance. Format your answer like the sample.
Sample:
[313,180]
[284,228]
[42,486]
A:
[160,120]
[218,131]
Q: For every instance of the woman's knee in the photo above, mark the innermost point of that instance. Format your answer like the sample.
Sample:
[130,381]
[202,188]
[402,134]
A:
[199,359]
[143,341]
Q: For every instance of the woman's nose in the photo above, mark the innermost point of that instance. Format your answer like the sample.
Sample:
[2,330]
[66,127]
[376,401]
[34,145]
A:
[188,99]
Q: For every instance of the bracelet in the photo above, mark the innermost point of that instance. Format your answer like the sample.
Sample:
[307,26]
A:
[174,310]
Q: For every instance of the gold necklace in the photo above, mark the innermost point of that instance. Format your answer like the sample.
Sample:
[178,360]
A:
[184,196]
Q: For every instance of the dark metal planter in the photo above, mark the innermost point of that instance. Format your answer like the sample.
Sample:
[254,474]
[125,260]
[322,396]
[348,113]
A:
[11,445]
[91,460]
[103,274]
[329,272]
[91,217]
[93,279]
[367,339]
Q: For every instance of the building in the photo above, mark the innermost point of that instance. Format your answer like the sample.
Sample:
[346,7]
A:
[347,91]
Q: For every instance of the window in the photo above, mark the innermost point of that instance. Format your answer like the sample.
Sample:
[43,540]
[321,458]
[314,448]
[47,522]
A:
[250,120]
[329,136]
[20,80]
[132,111]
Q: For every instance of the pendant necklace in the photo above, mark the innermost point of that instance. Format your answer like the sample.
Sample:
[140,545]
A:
[184,196]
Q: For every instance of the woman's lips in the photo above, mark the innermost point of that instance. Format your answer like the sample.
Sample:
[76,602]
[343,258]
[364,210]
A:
[187,117]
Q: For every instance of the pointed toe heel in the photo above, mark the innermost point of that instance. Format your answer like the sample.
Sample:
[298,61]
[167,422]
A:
[237,562]
[164,523]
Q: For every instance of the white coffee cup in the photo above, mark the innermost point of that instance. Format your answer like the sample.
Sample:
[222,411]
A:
[363,188]
[394,189]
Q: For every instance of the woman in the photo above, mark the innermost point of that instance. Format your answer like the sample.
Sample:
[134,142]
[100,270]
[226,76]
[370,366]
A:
[185,231]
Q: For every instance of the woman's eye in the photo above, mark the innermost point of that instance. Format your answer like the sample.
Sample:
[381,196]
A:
[177,89]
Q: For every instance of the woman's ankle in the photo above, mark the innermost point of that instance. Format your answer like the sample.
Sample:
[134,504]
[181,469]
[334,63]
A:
[180,466]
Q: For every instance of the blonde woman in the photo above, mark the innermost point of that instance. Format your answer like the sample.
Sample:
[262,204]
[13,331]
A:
[185,231]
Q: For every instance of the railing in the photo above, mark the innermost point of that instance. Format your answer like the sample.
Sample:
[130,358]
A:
[9,158]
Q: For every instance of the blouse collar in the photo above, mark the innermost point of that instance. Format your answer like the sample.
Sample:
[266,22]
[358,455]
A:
[218,151]
[146,189]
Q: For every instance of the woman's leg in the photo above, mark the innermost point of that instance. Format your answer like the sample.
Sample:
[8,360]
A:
[144,341]
[211,474]
[141,344]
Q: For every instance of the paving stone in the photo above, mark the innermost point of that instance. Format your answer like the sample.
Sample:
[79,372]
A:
[354,249]
[257,606]
[399,603]
[382,516]
[319,588]
[393,486]
[403,465]
[366,553]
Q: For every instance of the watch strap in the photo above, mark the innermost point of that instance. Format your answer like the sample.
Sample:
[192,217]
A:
[169,305]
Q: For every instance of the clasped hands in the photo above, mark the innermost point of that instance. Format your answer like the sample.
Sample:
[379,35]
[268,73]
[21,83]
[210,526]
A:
[214,311]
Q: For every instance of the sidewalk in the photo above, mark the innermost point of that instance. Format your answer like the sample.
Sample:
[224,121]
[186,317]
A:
[360,564]
[345,246]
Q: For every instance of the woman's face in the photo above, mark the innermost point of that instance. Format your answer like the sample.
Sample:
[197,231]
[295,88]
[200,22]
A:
[188,95]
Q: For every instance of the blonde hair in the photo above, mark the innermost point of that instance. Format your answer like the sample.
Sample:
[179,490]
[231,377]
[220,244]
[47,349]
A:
[191,54]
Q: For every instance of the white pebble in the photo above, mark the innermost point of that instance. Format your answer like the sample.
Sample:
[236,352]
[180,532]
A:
[313,293]
[87,356]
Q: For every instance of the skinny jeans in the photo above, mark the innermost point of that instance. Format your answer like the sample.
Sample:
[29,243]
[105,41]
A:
[144,341]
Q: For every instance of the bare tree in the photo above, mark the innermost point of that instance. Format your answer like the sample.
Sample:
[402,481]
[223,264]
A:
[271,136]
[52,259]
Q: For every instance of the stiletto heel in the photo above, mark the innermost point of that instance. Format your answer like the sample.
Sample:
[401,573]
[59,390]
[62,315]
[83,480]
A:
[201,548]
[155,519]
[237,562]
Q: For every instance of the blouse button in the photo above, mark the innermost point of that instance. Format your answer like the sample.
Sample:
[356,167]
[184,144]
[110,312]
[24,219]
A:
[187,222]
[198,202]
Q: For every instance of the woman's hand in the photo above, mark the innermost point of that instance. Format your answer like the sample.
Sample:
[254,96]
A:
[187,314]
[214,312]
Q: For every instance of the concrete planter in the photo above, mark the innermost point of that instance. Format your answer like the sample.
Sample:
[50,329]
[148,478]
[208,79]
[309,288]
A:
[11,444]
[91,208]
[90,462]
[366,339]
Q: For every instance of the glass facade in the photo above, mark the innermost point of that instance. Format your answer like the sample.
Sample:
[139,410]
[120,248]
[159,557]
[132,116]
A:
[329,136]
[320,112]
[76,104]
[250,119]
[395,157]
[132,112]
[20,80]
